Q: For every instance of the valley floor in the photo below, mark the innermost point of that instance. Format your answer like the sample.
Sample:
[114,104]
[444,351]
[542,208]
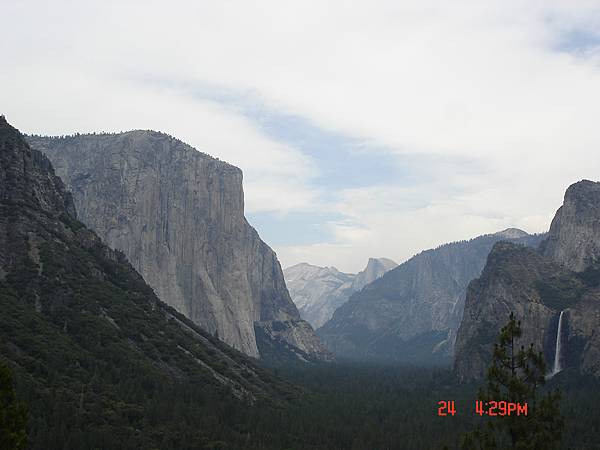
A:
[338,406]
[354,406]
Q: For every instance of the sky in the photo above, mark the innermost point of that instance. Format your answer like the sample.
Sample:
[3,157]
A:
[363,128]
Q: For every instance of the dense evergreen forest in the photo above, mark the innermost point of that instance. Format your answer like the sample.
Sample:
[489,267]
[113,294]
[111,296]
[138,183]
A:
[342,406]
[393,407]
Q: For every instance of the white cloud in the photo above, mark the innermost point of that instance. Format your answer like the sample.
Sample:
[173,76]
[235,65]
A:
[382,225]
[67,99]
[480,81]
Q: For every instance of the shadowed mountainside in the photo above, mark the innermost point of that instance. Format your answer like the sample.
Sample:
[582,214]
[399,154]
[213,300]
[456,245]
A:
[563,275]
[412,313]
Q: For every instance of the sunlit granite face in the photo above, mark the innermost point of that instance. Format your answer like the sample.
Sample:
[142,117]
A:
[178,215]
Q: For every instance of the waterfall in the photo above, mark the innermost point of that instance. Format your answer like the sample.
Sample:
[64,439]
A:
[557,367]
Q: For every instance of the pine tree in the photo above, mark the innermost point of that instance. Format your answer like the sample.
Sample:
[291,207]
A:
[13,418]
[516,375]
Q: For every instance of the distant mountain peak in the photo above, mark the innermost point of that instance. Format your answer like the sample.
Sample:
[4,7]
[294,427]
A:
[308,265]
[318,291]
[412,312]
[511,233]
[375,268]
[385,261]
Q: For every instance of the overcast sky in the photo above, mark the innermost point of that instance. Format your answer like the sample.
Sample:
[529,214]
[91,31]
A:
[363,128]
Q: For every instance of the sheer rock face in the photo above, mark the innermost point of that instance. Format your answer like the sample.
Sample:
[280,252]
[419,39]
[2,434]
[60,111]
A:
[376,267]
[178,215]
[508,284]
[63,290]
[562,275]
[574,238]
[412,313]
[319,291]
[27,177]
[28,182]
[582,340]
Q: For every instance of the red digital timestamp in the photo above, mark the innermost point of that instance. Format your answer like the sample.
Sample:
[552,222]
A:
[491,408]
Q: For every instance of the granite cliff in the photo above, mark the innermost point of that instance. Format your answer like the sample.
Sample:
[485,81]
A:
[562,275]
[178,216]
[319,291]
[574,237]
[376,268]
[411,314]
[91,345]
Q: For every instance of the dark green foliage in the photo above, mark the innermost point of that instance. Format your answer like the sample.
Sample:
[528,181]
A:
[101,363]
[561,291]
[516,375]
[71,222]
[90,384]
[591,275]
[13,417]
[368,406]
[343,407]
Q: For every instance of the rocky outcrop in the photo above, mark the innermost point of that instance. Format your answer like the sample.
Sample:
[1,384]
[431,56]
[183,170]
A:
[509,283]
[412,313]
[376,267]
[283,341]
[574,237]
[74,310]
[562,275]
[319,291]
[178,215]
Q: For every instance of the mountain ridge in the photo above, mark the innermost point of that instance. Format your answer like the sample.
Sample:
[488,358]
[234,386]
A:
[412,313]
[562,275]
[178,215]
[319,291]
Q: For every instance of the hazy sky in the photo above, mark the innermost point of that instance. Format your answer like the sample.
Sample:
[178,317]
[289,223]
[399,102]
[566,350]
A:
[363,128]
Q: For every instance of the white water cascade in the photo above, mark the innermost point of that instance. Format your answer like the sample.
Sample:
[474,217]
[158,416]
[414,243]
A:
[557,367]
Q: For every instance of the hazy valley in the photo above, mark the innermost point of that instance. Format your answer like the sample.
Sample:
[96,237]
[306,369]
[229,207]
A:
[140,308]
